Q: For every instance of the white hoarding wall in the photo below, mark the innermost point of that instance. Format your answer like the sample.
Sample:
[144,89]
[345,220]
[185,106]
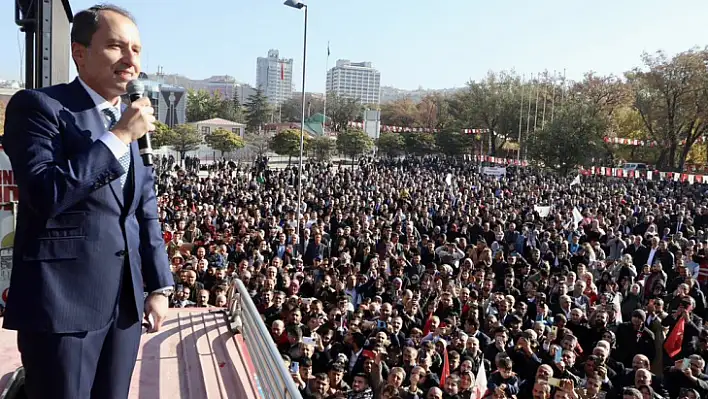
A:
[496,171]
[8,206]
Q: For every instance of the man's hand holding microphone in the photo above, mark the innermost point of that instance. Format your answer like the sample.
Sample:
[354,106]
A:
[136,120]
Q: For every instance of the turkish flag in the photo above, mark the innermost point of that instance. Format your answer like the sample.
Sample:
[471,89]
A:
[446,368]
[675,339]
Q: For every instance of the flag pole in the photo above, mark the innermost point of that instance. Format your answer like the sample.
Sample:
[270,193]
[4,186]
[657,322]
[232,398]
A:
[553,96]
[528,116]
[324,119]
[521,115]
[535,112]
[545,98]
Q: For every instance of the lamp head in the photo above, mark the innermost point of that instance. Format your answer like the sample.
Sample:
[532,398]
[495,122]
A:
[295,4]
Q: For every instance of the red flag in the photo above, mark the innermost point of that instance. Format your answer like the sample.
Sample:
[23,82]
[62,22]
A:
[675,339]
[426,328]
[445,369]
[282,71]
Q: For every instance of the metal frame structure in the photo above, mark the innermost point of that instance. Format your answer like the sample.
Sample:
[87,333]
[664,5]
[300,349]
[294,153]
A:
[46,54]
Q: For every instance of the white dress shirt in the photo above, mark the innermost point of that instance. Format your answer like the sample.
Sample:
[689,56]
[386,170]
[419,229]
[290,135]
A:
[117,147]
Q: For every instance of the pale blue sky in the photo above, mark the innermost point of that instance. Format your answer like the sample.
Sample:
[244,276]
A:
[433,44]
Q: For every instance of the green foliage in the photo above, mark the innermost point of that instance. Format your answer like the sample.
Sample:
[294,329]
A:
[202,105]
[670,95]
[572,139]
[224,140]
[161,136]
[257,111]
[184,138]
[391,144]
[453,143]
[321,148]
[287,142]
[419,143]
[354,143]
[292,107]
[341,111]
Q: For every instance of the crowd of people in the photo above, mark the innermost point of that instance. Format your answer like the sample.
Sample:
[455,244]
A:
[424,278]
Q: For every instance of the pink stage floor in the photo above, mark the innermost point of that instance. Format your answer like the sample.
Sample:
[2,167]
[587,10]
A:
[195,356]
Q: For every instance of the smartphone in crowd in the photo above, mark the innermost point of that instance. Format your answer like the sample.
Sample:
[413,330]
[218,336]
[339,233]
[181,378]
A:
[559,355]
[686,364]
[294,367]
[308,340]
[554,382]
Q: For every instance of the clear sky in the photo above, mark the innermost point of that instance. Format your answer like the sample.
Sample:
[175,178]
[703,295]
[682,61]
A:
[431,44]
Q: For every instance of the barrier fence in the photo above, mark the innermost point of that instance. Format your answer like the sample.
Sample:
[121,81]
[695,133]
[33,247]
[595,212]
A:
[271,377]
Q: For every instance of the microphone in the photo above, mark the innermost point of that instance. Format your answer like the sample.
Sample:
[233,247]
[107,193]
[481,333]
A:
[136,90]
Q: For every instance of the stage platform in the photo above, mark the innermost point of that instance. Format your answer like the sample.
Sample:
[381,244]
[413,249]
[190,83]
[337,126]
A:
[195,356]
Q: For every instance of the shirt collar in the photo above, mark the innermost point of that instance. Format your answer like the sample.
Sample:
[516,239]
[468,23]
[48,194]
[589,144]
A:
[100,102]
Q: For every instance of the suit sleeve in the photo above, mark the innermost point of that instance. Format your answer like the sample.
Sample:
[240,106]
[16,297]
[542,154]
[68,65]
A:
[156,268]
[49,181]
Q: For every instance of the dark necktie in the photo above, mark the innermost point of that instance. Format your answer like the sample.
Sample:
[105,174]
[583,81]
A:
[111,118]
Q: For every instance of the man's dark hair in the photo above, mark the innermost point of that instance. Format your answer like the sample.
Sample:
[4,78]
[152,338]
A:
[86,22]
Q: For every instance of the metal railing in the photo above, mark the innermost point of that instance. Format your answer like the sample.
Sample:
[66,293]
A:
[272,378]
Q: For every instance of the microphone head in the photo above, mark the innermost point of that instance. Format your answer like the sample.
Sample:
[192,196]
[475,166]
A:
[135,87]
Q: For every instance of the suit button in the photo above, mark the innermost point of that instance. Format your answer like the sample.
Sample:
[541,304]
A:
[122,252]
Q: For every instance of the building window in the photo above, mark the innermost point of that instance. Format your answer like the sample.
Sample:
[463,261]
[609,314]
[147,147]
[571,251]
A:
[206,130]
[235,130]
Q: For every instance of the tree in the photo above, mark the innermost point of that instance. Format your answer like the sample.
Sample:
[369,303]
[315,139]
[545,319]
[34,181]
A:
[287,142]
[402,112]
[258,143]
[492,104]
[391,144]
[321,147]
[231,110]
[354,143]
[453,142]
[292,107]
[341,111]
[573,138]
[162,135]
[185,138]
[671,95]
[257,111]
[419,143]
[224,141]
[202,105]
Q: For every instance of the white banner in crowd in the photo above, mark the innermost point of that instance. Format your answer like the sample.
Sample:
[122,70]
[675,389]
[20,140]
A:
[497,171]
[577,217]
[542,211]
[8,196]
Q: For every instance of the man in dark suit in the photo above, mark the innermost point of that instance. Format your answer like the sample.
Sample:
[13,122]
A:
[88,242]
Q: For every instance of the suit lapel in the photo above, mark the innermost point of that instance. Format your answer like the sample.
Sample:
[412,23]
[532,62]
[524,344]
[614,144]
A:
[134,181]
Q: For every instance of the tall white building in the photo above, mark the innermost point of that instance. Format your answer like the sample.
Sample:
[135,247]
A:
[274,76]
[355,80]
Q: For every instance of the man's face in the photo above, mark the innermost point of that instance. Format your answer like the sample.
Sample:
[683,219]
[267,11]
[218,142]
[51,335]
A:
[359,384]
[112,58]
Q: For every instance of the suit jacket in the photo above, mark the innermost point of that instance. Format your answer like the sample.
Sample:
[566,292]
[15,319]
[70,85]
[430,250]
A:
[77,229]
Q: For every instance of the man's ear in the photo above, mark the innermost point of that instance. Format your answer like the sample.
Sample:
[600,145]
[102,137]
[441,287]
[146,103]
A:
[78,54]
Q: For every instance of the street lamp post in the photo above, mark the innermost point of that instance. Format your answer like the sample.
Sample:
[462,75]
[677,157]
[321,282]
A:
[299,5]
